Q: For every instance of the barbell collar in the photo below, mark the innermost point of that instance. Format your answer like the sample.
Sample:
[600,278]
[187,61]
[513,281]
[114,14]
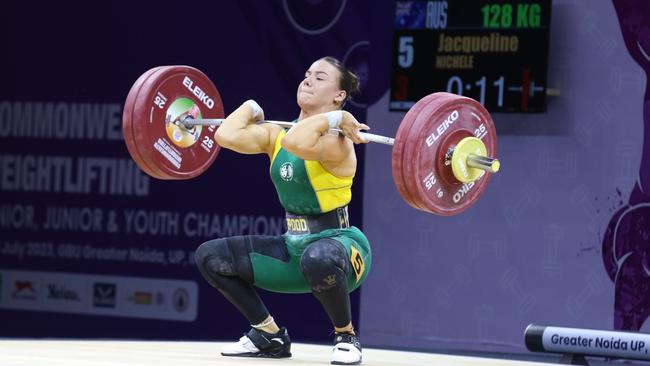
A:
[483,162]
[190,122]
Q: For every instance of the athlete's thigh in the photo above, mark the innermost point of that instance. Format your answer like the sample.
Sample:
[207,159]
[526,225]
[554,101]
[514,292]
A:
[274,269]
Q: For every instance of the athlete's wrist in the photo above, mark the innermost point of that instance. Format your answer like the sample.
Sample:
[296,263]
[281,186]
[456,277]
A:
[256,109]
[334,118]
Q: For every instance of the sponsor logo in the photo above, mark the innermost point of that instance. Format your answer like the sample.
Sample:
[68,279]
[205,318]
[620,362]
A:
[181,300]
[297,224]
[286,171]
[104,295]
[330,280]
[177,135]
[462,191]
[343,217]
[442,128]
[146,298]
[60,292]
[198,92]
[24,290]
[358,265]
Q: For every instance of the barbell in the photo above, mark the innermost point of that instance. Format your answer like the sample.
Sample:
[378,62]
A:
[443,148]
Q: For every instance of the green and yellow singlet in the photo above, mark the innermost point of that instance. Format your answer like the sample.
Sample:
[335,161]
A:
[304,186]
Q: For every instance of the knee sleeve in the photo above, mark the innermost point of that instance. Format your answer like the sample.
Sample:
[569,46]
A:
[225,264]
[325,265]
[217,258]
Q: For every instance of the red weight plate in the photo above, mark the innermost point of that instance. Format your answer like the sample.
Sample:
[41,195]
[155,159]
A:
[473,120]
[127,130]
[429,114]
[140,149]
[438,127]
[164,98]
[429,104]
[398,160]
[397,156]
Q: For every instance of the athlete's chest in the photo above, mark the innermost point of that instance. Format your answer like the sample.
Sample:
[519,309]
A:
[288,169]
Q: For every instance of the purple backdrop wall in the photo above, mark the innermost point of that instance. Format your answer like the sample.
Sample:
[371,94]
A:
[537,248]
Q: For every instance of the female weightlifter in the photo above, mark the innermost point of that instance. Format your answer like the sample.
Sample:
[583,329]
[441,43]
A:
[312,170]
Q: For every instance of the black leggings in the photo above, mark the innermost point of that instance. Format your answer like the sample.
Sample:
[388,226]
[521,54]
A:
[226,265]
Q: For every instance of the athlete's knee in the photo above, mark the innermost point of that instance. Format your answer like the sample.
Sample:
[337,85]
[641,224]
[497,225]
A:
[324,264]
[215,257]
[226,257]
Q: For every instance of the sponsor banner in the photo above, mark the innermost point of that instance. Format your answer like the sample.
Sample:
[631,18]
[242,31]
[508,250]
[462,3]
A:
[131,297]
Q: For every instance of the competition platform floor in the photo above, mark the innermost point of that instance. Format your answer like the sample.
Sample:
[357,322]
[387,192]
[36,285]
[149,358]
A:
[132,353]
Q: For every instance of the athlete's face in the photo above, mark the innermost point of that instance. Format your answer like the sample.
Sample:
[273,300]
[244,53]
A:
[320,90]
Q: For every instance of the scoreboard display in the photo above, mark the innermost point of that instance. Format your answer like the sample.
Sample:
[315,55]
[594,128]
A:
[493,51]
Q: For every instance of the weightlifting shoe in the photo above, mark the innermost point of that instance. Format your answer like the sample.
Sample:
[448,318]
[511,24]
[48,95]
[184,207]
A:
[347,349]
[258,343]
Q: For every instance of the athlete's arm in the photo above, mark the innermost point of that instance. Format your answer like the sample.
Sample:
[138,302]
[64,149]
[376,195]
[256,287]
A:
[310,138]
[240,132]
